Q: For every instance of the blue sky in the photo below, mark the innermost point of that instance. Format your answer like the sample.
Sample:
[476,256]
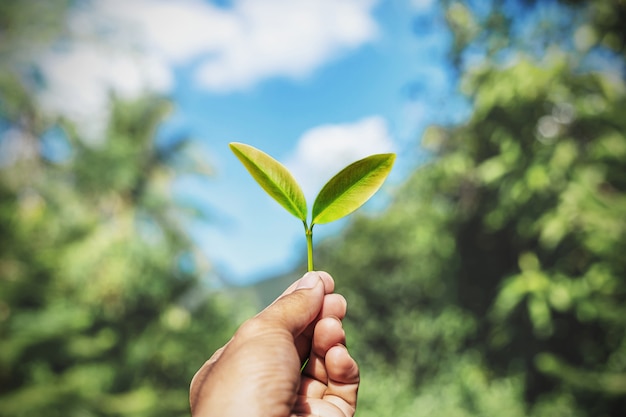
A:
[315,83]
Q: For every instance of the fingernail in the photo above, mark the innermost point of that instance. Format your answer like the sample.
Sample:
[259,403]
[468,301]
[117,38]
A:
[309,280]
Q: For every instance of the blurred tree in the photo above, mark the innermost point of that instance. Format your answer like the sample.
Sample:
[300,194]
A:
[497,273]
[98,280]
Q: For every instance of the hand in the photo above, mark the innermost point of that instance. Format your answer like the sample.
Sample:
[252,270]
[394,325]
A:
[257,373]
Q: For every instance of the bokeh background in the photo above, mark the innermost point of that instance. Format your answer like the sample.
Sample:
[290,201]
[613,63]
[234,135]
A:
[487,277]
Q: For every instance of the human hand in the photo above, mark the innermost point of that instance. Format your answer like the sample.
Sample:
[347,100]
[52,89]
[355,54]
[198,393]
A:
[257,373]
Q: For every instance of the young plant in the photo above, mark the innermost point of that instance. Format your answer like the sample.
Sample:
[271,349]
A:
[345,192]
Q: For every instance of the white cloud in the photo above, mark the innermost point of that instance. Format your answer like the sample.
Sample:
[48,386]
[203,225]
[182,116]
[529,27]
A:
[285,38]
[325,150]
[175,31]
[129,47]
[78,82]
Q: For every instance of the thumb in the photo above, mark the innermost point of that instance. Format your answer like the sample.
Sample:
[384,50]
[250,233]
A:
[296,310]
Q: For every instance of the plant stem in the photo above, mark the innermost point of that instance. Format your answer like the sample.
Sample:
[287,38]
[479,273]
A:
[309,246]
[308,231]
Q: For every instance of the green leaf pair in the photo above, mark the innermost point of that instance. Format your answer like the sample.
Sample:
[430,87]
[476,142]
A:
[344,193]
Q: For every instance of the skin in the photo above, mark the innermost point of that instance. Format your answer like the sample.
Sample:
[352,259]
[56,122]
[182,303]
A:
[257,373]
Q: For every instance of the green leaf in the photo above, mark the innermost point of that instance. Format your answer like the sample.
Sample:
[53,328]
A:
[351,187]
[275,179]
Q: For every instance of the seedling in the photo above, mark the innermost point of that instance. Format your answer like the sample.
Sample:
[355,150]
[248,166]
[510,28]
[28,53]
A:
[344,193]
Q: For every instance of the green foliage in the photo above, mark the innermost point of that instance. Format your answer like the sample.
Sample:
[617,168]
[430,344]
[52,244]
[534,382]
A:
[461,388]
[99,313]
[102,308]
